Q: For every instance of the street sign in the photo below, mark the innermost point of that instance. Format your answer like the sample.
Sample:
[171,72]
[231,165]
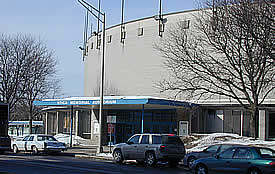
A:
[111,119]
[111,128]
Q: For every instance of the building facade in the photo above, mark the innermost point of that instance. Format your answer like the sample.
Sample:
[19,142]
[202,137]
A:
[132,68]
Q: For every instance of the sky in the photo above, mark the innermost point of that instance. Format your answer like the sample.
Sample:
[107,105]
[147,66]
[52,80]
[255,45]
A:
[59,24]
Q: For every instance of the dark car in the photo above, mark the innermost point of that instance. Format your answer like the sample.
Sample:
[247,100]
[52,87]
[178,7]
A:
[5,144]
[241,159]
[208,152]
[151,148]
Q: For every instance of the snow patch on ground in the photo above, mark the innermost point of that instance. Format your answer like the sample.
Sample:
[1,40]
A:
[108,155]
[76,140]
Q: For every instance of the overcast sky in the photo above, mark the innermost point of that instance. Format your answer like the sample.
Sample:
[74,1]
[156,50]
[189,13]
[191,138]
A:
[59,23]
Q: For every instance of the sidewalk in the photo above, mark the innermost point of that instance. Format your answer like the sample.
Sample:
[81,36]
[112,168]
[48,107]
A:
[88,152]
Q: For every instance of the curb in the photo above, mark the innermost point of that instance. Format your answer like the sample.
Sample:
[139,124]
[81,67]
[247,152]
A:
[94,157]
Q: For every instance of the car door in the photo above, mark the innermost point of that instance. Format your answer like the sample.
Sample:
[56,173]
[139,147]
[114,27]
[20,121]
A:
[242,160]
[21,144]
[29,143]
[130,149]
[144,144]
[223,162]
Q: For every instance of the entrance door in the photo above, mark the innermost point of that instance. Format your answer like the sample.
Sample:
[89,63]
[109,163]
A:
[271,133]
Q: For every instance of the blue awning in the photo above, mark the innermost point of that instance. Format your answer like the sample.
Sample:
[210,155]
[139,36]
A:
[112,100]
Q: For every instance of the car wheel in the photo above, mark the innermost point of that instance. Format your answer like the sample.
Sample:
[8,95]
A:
[254,171]
[15,149]
[173,163]
[34,150]
[201,169]
[150,159]
[190,161]
[118,156]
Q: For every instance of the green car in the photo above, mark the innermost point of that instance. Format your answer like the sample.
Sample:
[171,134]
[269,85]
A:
[240,159]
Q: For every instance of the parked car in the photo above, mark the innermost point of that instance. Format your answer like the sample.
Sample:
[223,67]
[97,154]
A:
[38,143]
[208,152]
[240,159]
[150,148]
[5,144]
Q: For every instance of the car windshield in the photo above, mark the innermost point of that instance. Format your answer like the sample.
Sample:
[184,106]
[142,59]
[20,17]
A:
[266,153]
[45,138]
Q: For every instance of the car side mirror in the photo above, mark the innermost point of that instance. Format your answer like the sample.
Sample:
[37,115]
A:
[217,156]
[205,150]
[129,142]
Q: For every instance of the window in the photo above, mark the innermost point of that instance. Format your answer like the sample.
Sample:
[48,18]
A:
[266,153]
[123,34]
[44,138]
[161,28]
[140,31]
[185,24]
[109,39]
[87,50]
[145,139]
[212,149]
[26,138]
[135,139]
[224,147]
[156,139]
[92,45]
[243,154]
[31,138]
[98,41]
[228,153]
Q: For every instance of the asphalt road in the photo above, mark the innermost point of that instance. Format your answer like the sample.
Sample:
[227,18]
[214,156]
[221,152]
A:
[48,164]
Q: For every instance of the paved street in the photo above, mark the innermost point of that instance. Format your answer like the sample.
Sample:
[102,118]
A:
[29,164]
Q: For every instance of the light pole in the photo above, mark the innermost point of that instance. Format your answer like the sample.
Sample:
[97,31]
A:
[87,5]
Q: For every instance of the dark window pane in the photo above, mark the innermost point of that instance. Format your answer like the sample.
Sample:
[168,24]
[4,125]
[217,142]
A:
[31,138]
[26,138]
[224,147]
[228,153]
[145,139]
[135,139]
[156,139]
[212,149]
[243,154]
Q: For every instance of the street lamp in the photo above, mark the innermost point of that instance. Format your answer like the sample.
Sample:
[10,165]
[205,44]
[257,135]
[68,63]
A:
[87,5]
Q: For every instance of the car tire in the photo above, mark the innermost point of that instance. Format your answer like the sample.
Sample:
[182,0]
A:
[15,149]
[190,161]
[201,169]
[150,159]
[254,171]
[35,150]
[117,155]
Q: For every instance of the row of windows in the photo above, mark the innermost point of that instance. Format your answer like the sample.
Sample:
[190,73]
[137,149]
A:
[140,32]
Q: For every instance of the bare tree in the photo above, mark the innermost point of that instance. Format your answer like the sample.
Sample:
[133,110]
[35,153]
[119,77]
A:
[229,52]
[34,75]
[13,55]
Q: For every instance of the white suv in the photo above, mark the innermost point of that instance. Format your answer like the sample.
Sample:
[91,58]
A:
[150,148]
